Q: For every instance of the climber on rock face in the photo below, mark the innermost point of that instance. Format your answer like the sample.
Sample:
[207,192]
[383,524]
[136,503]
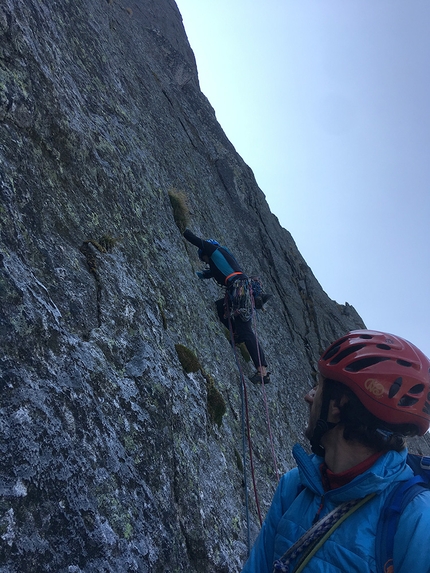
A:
[236,308]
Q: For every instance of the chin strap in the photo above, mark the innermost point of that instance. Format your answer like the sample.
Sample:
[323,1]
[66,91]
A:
[321,427]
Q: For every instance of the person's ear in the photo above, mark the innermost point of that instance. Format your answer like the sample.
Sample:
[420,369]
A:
[334,409]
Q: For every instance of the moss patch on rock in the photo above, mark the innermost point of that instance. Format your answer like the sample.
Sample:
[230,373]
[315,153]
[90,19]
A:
[215,402]
[187,358]
[181,213]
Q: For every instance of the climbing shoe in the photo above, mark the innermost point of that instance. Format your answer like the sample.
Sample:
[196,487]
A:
[256,378]
[261,300]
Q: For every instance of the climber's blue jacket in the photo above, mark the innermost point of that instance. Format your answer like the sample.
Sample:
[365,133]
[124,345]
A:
[351,547]
[222,263]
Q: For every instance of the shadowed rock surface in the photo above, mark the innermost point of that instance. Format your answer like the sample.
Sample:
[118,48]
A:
[113,457]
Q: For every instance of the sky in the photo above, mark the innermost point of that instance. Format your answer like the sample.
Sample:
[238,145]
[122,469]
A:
[328,102]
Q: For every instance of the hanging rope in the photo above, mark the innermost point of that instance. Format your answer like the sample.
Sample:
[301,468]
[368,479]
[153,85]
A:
[254,323]
[245,478]
[245,419]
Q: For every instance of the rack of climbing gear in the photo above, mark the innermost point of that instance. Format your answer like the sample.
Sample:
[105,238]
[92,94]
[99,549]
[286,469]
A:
[240,304]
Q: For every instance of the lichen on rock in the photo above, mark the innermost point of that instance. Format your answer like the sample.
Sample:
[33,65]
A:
[114,456]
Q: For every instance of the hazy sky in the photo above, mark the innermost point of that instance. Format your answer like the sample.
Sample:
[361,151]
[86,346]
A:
[328,102]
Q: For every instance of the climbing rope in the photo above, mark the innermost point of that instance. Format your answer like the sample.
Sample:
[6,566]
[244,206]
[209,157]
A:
[245,426]
[245,478]
[254,323]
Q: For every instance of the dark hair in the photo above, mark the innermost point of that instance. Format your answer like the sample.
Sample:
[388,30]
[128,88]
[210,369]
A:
[363,427]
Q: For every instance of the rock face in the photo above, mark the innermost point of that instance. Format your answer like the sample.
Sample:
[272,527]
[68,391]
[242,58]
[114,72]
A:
[121,411]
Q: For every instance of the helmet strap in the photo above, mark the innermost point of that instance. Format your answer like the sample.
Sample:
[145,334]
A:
[322,426]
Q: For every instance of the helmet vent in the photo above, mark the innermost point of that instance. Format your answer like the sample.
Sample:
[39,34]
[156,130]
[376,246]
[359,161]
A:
[395,387]
[366,336]
[346,353]
[383,346]
[334,349]
[404,363]
[407,401]
[417,389]
[363,363]
[331,352]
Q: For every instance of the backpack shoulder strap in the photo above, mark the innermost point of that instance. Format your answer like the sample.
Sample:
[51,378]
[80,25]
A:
[394,505]
[420,465]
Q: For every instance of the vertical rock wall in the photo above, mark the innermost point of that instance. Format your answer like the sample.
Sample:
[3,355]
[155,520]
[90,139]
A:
[113,456]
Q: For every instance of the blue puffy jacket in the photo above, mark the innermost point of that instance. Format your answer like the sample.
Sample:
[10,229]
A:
[351,547]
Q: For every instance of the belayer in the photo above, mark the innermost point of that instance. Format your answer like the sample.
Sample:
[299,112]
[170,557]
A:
[236,308]
[346,507]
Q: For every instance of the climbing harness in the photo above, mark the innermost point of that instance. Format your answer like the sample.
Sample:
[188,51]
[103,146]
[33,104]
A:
[235,274]
[313,539]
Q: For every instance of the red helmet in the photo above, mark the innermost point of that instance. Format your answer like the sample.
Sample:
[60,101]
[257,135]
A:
[389,375]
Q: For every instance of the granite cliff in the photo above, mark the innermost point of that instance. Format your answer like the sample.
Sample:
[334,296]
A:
[121,417]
